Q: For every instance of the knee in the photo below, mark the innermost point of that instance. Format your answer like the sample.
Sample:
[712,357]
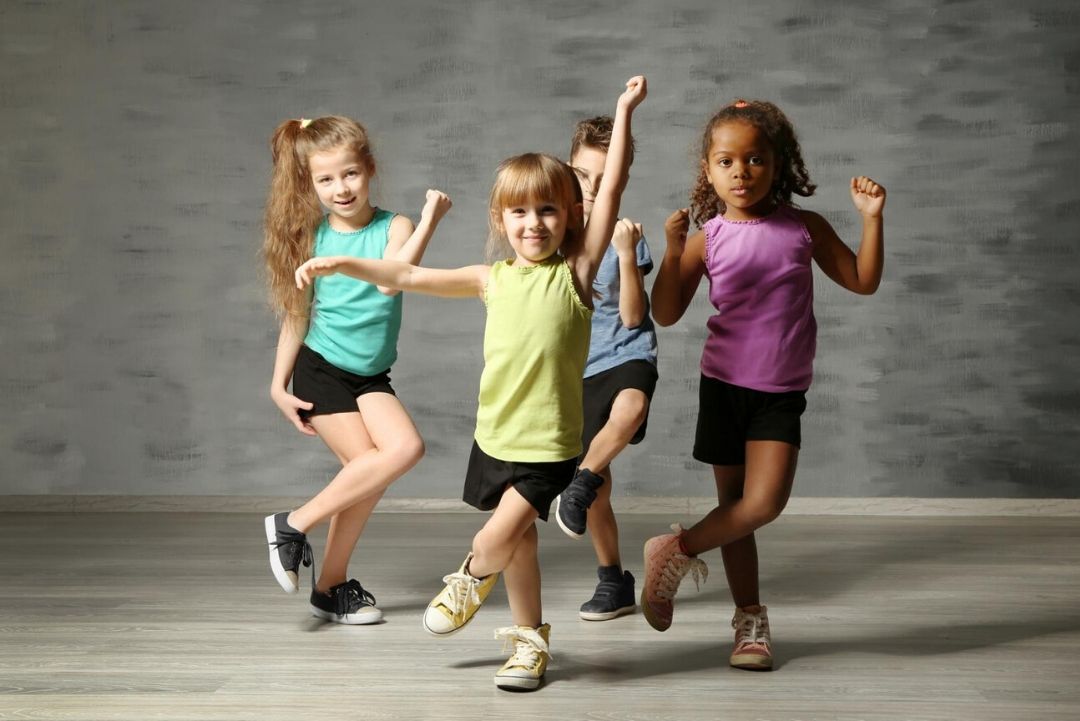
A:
[408,451]
[630,410]
[765,510]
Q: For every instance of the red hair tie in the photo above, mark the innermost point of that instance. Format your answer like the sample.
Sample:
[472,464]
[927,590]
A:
[741,104]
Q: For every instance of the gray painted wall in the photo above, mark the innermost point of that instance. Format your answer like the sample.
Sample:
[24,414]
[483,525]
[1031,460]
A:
[137,346]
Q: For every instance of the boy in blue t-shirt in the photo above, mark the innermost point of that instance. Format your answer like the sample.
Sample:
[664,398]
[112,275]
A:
[620,377]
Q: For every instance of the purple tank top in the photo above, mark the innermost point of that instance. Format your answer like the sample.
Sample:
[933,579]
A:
[763,335]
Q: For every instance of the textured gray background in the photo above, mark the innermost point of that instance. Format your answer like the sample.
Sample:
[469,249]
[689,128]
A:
[137,347]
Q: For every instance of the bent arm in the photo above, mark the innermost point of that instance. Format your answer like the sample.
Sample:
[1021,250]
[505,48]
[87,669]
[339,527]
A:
[631,292]
[860,273]
[678,279]
[605,210]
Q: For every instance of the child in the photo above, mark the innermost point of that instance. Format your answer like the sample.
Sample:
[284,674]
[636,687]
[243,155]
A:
[528,424]
[755,247]
[337,347]
[620,377]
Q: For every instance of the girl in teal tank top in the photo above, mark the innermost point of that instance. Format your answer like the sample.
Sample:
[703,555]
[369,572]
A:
[336,346]
[528,425]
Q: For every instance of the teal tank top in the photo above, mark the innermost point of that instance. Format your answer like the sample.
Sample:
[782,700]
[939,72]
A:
[353,325]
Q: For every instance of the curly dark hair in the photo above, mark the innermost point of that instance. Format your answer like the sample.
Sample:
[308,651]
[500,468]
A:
[792,177]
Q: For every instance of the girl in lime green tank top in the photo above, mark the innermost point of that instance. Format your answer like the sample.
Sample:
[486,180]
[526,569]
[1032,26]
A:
[536,339]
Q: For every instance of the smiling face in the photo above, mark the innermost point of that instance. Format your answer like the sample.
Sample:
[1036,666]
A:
[342,183]
[535,229]
[740,167]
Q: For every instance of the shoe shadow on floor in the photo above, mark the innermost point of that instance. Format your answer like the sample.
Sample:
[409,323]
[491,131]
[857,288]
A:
[938,640]
[919,641]
[825,567]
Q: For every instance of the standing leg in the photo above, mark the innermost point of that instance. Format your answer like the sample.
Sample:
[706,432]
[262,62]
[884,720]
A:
[740,556]
[603,529]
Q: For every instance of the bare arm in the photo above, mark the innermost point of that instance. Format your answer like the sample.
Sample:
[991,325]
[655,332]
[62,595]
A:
[859,273]
[631,282]
[605,210]
[289,341]
[407,243]
[680,270]
[452,283]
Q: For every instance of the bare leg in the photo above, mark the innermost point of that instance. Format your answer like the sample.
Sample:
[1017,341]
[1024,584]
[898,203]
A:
[396,447]
[522,579]
[628,411]
[770,471]
[603,529]
[494,545]
[740,556]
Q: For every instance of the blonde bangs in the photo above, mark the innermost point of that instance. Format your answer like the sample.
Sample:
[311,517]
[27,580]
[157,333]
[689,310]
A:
[534,176]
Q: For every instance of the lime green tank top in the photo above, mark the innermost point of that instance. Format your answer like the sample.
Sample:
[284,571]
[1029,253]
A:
[536,342]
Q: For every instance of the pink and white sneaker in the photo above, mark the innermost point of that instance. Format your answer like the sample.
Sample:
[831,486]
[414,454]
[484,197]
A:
[753,645]
[665,566]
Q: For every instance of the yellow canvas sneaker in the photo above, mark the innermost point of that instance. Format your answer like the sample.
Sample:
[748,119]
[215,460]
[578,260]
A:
[458,602]
[525,669]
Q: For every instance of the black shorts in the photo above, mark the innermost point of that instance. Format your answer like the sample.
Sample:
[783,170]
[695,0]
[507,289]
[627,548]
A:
[330,388]
[729,416]
[538,483]
[600,392]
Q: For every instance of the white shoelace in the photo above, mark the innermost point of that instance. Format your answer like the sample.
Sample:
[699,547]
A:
[462,588]
[528,645]
[751,628]
[678,565]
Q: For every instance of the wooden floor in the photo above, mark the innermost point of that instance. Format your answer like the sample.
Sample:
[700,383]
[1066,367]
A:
[176,616]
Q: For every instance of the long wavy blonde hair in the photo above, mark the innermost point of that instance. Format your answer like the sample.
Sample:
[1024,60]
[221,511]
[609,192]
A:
[293,212]
[527,177]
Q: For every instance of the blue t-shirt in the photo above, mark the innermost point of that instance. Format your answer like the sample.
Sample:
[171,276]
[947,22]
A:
[353,325]
[612,342]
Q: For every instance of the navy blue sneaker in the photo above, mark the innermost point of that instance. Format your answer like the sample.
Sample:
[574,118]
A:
[572,505]
[614,595]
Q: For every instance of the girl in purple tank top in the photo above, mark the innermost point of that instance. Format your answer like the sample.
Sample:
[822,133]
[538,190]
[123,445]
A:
[755,247]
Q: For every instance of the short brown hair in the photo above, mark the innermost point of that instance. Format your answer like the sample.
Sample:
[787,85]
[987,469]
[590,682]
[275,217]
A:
[596,133]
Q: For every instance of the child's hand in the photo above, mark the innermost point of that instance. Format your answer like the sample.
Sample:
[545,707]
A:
[868,196]
[635,92]
[289,405]
[438,204]
[305,275]
[675,229]
[626,236]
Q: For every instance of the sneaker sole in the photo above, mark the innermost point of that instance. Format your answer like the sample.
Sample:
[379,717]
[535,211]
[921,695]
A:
[354,620]
[607,615]
[751,662]
[562,525]
[656,623]
[443,634]
[511,683]
[288,581]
